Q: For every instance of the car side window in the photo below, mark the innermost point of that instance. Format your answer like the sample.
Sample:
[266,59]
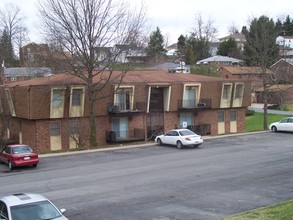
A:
[290,120]
[3,211]
[7,150]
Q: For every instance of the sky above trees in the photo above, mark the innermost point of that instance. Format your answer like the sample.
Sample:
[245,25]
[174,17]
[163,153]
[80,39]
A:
[178,17]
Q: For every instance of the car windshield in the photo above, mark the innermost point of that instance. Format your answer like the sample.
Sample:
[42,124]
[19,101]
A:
[21,150]
[43,210]
[186,132]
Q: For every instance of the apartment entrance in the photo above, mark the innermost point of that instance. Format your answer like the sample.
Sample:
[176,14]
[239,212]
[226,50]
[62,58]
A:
[155,115]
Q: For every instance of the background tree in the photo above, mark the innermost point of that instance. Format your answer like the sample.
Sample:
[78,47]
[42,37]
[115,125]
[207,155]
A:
[81,27]
[12,21]
[287,27]
[261,50]
[200,37]
[6,50]
[181,44]
[155,49]
[229,48]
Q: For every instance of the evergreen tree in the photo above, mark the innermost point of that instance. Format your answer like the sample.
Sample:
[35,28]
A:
[288,26]
[261,50]
[6,49]
[229,48]
[181,44]
[155,49]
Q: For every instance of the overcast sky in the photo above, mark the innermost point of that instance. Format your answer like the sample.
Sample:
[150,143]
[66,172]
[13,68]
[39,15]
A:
[175,17]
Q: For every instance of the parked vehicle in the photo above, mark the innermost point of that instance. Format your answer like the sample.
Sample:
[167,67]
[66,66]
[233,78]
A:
[180,138]
[23,206]
[286,124]
[17,155]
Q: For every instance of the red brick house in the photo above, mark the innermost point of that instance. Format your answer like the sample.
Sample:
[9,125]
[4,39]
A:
[51,113]
[284,70]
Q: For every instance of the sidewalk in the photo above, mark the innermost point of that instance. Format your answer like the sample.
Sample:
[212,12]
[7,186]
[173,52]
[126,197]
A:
[147,144]
[258,107]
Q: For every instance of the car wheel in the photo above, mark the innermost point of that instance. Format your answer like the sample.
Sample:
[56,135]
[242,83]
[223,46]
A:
[274,129]
[179,144]
[10,166]
[35,165]
[159,142]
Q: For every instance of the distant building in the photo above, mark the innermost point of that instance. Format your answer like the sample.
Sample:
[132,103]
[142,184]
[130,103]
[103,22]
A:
[285,41]
[238,37]
[24,73]
[221,61]
[40,55]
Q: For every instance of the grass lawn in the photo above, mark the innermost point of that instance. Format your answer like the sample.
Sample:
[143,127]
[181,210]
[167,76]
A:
[255,122]
[281,211]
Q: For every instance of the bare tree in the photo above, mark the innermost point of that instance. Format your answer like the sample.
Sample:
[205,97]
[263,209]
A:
[204,30]
[201,35]
[232,29]
[83,28]
[11,20]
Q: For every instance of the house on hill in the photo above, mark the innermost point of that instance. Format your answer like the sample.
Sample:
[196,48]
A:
[52,113]
[284,70]
[221,61]
[238,37]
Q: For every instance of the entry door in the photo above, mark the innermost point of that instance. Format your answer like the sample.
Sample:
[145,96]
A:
[185,119]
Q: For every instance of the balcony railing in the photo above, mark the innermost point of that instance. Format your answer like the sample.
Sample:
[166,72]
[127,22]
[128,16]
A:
[201,129]
[194,104]
[125,109]
[135,134]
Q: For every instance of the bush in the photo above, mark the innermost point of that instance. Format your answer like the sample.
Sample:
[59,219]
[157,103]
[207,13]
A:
[249,112]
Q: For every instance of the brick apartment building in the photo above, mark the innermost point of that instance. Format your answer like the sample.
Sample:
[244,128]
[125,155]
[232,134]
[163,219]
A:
[51,113]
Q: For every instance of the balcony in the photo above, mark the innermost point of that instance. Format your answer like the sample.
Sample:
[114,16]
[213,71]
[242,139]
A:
[123,109]
[201,129]
[117,137]
[194,105]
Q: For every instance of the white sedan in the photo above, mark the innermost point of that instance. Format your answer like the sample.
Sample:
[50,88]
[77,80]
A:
[180,138]
[286,124]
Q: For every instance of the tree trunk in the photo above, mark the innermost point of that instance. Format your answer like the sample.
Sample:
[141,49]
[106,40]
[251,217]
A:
[92,121]
[265,109]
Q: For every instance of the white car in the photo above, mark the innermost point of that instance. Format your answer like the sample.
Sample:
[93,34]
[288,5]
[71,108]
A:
[286,124]
[180,138]
[24,206]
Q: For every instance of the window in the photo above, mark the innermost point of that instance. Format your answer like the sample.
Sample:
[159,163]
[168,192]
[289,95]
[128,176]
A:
[221,116]
[233,116]
[190,96]
[3,211]
[226,91]
[55,129]
[73,127]
[239,91]
[57,98]
[226,95]
[77,97]
[124,97]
